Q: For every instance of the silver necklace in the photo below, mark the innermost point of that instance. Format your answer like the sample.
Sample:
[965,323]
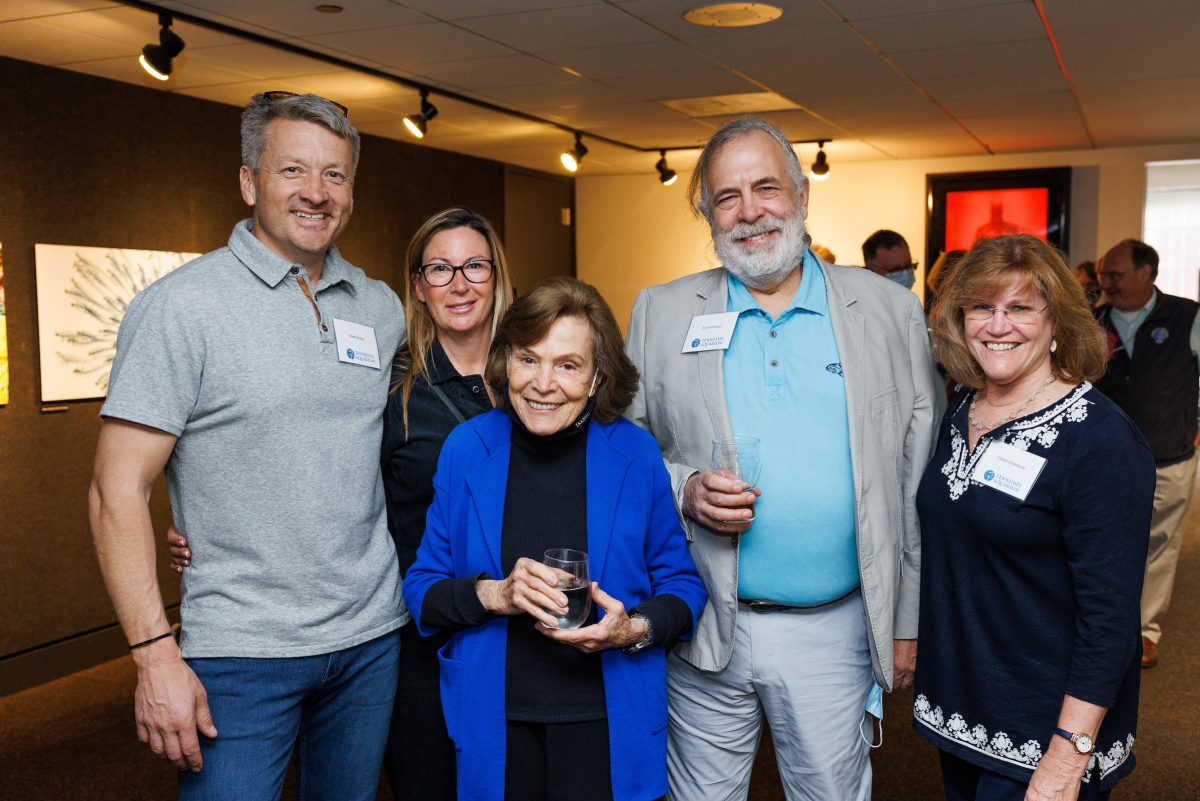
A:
[1013,415]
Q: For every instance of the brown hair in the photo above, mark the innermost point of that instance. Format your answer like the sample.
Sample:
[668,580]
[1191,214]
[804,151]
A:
[986,270]
[529,320]
[412,360]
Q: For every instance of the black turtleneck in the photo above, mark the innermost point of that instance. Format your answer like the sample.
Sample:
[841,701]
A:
[545,506]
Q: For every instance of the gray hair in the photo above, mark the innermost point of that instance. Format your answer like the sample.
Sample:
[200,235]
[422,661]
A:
[262,111]
[698,188]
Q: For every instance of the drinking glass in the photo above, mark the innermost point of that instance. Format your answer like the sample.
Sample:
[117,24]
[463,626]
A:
[573,582]
[738,456]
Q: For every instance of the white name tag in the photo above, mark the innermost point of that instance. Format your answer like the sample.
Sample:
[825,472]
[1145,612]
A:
[1008,469]
[710,332]
[356,343]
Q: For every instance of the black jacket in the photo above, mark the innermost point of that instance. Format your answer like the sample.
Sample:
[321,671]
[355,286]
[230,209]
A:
[1159,387]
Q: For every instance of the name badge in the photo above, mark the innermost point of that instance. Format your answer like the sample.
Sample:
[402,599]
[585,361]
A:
[1008,469]
[710,332]
[356,343]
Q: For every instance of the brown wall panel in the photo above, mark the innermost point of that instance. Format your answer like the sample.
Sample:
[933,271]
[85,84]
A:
[86,161]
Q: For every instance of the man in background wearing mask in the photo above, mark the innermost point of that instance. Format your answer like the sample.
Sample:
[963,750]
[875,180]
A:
[886,253]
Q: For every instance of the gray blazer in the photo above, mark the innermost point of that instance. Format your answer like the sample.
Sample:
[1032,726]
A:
[891,398]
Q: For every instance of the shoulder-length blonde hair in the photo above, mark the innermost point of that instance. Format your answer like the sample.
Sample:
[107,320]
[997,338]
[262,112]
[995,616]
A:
[412,360]
[529,320]
[988,269]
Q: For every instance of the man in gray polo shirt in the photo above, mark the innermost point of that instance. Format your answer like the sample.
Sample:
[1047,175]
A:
[254,376]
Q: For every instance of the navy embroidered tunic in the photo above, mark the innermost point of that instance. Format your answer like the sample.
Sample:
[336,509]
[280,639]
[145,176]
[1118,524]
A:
[1023,602]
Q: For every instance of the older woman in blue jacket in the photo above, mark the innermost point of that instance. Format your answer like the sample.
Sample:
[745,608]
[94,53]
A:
[538,711]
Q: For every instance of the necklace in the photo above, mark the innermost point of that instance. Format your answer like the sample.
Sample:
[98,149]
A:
[1013,415]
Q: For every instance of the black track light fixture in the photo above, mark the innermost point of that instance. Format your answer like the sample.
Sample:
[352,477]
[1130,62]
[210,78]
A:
[418,124]
[156,58]
[820,167]
[665,174]
[571,158]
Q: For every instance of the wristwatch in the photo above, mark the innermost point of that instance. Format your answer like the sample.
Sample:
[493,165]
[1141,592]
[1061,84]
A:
[1082,742]
[645,642]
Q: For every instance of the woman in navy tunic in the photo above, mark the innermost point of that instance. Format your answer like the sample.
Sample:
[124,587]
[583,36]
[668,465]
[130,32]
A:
[1034,518]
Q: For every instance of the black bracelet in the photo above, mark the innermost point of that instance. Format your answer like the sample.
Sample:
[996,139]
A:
[144,643]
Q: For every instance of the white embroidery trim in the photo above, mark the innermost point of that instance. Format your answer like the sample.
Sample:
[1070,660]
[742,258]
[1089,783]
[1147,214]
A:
[1001,747]
[1040,428]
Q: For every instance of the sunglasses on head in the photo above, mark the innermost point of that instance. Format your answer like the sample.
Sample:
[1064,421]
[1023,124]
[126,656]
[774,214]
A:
[280,94]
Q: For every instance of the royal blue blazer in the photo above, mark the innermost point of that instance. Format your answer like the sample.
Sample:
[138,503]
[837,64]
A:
[637,549]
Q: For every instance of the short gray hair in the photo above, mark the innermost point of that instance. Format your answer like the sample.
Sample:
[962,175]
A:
[262,111]
[698,188]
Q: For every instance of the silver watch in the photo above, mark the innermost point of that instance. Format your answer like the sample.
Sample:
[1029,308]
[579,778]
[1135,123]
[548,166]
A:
[645,642]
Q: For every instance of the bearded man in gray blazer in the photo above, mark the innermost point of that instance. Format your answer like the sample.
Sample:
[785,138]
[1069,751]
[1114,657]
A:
[813,574]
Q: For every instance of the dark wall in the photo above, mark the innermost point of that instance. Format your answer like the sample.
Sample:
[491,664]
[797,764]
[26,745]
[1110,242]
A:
[87,161]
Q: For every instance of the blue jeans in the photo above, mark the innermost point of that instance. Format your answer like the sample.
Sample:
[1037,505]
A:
[334,709]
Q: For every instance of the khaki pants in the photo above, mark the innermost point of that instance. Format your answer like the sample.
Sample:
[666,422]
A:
[1172,491]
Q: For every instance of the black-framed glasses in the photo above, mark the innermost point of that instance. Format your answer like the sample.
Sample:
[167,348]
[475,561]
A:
[281,94]
[440,273]
[912,265]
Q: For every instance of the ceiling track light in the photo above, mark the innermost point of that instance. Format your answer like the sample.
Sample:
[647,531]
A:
[156,58]
[820,167]
[418,124]
[666,175]
[571,158]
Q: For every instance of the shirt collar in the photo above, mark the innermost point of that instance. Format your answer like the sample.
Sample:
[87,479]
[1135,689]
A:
[272,268]
[810,295]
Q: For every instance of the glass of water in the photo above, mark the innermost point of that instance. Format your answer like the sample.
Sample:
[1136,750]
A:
[739,457]
[573,582]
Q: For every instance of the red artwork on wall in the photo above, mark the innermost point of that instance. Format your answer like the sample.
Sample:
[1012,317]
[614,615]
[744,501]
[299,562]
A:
[986,213]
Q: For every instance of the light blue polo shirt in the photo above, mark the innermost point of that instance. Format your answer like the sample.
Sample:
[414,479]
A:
[784,385]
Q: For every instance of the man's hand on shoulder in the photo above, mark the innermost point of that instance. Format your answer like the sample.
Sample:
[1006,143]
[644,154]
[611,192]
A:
[170,704]
[719,503]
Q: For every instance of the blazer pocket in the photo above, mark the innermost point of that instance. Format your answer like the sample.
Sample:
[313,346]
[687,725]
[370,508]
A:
[451,679]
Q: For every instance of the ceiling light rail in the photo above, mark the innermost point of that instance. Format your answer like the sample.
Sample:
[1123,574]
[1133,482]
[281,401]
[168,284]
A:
[418,122]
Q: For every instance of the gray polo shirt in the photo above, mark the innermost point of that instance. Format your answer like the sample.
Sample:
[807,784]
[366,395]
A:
[275,478]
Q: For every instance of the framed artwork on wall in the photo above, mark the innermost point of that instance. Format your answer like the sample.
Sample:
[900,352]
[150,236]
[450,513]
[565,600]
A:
[82,295]
[965,207]
[3,335]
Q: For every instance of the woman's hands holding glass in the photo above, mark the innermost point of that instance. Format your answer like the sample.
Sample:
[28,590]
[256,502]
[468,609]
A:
[530,589]
[615,630]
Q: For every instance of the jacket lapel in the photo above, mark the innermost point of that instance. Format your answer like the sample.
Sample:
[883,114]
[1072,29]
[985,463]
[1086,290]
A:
[606,469]
[849,331]
[487,484]
[710,364]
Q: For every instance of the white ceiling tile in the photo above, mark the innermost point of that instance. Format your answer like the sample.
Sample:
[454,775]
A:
[464,9]
[28,9]
[631,59]
[292,18]
[979,59]
[679,85]
[901,33]
[573,94]
[186,74]
[412,46]
[1104,40]
[555,30]
[667,15]
[260,60]
[1014,105]
[480,74]
[865,9]
[31,40]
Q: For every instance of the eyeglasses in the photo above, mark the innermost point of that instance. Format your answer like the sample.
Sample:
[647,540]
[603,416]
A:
[477,271]
[1017,315]
[280,94]
[912,265]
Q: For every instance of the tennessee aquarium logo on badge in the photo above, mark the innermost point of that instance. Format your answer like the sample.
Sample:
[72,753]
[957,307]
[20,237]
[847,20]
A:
[349,353]
[989,475]
[695,343]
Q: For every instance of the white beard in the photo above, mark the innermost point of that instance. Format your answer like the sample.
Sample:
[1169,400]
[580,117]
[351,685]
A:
[766,266]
